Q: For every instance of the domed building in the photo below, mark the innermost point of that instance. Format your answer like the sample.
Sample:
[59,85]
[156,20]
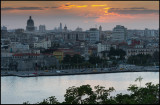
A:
[30,24]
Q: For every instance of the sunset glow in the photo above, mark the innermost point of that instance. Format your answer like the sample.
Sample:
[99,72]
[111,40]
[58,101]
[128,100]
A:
[90,12]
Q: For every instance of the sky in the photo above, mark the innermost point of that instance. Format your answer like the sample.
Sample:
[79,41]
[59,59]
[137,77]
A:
[84,14]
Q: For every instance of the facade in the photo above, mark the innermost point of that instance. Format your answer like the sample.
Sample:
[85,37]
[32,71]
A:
[73,36]
[119,33]
[136,51]
[43,44]
[60,53]
[42,28]
[104,47]
[92,35]
[30,25]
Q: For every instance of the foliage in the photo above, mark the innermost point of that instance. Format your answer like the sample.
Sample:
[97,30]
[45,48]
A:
[94,59]
[139,59]
[116,52]
[155,56]
[85,95]
[76,59]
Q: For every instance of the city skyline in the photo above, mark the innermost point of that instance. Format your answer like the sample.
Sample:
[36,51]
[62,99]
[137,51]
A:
[108,14]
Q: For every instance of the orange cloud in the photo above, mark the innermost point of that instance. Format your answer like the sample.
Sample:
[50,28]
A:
[106,10]
[98,5]
[82,6]
[68,6]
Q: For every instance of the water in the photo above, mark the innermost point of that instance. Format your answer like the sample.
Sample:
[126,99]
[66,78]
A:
[16,90]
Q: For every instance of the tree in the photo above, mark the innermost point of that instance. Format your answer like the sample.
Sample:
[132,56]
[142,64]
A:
[155,56]
[139,79]
[85,95]
[67,59]
[76,59]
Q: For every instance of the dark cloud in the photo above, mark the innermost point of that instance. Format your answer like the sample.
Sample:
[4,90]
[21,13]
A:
[136,8]
[50,7]
[133,10]
[23,8]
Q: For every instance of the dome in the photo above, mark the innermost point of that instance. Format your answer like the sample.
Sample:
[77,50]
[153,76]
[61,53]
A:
[30,22]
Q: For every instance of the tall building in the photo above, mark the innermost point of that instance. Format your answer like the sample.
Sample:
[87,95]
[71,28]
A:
[92,35]
[42,28]
[119,33]
[30,24]
[100,32]
[60,27]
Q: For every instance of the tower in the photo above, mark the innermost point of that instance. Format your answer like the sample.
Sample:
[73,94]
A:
[30,24]
[60,27]
[65,28]
[100,32]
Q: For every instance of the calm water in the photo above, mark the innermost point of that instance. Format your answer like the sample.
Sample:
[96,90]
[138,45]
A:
[16,90]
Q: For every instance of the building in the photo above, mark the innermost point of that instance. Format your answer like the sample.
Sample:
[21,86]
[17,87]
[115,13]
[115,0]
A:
[145,51]
[30,25]
[60,27]
[92,35]
[65,28]
[119,33]
[100,32]
[42,28]
[62,52]
[4,28]
[79,29]
[104,47]
[19,31]
[73,36]
[43,44]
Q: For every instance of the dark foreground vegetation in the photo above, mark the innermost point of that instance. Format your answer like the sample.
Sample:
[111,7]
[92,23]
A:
[99,95]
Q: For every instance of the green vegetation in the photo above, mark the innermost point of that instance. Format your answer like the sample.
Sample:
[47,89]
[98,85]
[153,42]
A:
[86,95]
[116,52]
[140,59]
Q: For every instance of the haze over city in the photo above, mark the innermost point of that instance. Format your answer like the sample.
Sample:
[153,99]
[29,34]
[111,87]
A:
[84,14]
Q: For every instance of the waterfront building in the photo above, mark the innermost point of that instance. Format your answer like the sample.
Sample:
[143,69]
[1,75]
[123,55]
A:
[145,51]
[30,25]
[61,52]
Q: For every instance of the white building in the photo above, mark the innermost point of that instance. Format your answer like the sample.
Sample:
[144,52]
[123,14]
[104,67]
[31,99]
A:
[43,44]
[42,28]
[104,47]
[119,33]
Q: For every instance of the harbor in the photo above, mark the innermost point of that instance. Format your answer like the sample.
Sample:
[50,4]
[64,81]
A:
[83,71]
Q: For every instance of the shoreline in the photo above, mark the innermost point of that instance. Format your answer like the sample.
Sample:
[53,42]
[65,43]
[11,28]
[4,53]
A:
[43,73]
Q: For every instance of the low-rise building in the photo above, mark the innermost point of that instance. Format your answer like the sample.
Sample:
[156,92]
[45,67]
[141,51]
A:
[145,51]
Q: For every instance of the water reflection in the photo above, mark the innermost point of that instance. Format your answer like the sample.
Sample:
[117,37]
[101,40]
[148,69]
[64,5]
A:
[16,90]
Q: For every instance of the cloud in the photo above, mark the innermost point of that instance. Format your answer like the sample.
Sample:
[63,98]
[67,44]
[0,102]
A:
[23,8]
[133,10]
[98,5]
[69,6]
